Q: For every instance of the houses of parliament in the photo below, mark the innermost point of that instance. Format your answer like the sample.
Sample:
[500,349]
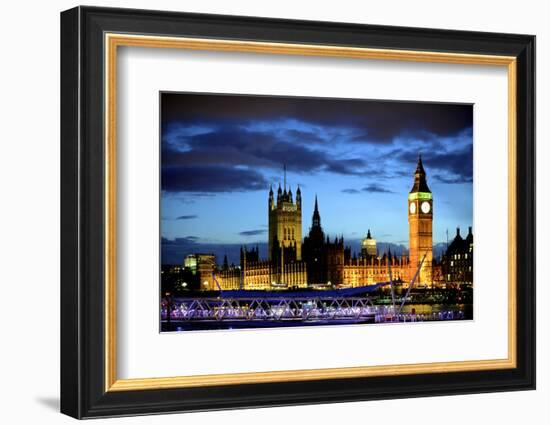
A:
[319,261]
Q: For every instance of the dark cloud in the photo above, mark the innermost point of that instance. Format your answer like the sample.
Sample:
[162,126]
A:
[371,188]
[377,121]
[235,146]
[457,167]
[376,188]
[449,161]
[211,178]
[186,240]
[253,232]
[187,217]
[452,180]
[231,143]
[300,136]
[350,166]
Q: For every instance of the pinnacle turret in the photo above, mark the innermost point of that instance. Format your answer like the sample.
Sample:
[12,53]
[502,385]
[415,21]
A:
[316,219]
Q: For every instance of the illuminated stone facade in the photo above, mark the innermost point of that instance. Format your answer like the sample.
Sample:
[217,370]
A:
[329,263]
[320,262]
[420,227]
[229,279]
[285,225]
[364,272]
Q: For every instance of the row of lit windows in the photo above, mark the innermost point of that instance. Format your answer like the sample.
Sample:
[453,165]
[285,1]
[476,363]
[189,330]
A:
[288,233]
[449,276]
[378,270]
[256,272]
[363,273]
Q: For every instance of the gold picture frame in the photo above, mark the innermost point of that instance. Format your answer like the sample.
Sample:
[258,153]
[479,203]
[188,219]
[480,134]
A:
[113,29]
[114,41]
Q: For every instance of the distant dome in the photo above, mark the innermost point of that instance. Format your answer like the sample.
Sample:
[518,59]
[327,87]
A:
[368,242]
[368,246]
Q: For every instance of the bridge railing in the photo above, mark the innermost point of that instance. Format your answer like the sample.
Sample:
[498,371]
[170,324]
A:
[294,309]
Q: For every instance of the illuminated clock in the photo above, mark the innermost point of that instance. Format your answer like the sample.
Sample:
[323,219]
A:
[412,207]
[425,207]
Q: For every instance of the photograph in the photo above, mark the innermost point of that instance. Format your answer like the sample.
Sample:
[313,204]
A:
[280,211]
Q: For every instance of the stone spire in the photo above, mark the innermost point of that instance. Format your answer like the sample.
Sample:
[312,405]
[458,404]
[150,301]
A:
[270,201]
[316,220]
[420,184]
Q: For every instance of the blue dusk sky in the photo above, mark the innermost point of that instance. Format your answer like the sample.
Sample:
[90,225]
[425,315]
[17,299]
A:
[221,153]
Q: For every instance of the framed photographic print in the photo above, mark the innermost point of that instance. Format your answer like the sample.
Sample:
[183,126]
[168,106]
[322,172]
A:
[261,212]
[237,250]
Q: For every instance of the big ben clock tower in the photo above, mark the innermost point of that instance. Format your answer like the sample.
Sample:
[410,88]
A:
[420,206]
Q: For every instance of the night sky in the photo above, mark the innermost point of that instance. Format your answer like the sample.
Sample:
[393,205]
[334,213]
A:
[220,153]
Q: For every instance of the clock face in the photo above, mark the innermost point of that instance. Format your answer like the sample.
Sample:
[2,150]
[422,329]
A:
[425,207]
[412,207]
